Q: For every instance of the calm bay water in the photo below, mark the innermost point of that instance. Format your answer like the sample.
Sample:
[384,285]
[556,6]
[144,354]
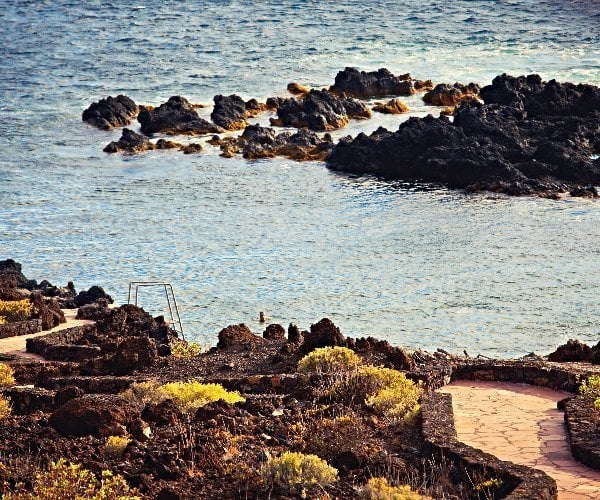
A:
[433,268]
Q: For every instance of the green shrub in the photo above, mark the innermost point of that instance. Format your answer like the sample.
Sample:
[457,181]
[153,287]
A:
[591,388]
[184,349]
[297,471]
[7,376]
[191,395]
[5,408]
[115,446]
[16,310]
[329,360]
[188,396]
[65,481]
[378,488]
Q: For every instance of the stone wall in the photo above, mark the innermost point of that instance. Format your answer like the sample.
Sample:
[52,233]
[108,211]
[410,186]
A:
[20,328]
[583,428]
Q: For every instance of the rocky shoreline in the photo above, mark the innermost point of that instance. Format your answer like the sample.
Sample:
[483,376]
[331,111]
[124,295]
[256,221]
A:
[517,136]
[102,381]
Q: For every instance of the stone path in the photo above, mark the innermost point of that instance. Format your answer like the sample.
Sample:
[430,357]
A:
[520,423]
[16,345]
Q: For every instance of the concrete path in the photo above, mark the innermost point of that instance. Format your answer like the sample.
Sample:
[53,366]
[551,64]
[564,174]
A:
[520,423]
[15,346]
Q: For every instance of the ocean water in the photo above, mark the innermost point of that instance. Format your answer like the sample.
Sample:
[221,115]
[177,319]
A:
[419,266]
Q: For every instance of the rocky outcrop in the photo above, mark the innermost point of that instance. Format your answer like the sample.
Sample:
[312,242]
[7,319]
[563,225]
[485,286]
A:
[230,112]
[445,94]
[47,311]
[11,275]
[92,295]
[111,112]
[262,142]
[131,142]
[96,415]
[319,110]
[392,107]
[176,116]
[131,321]
[573,350]
[297,89]
[322,334]
[237,336]
[274,332]
[378,83]
[495,147]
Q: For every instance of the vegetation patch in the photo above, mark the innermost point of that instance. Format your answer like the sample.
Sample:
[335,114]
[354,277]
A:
[7,376]
[115,446]
[329,360]
[297,471]
[184,349]
[590,388]
[378,488]
[15,310]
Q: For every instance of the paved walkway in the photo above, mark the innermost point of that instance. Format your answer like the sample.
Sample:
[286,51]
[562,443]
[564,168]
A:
[16,345]
[520,423]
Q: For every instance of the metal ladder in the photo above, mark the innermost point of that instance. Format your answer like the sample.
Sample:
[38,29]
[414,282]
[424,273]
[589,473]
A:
[175,320]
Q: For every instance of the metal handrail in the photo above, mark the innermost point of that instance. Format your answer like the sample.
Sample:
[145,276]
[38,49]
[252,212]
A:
[171,301]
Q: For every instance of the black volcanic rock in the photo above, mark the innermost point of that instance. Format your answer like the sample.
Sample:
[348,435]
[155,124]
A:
[176,116]
[378,83]
[230,112]
[319,110]
[111,112]
[532,138]
[92,295]
[445,94]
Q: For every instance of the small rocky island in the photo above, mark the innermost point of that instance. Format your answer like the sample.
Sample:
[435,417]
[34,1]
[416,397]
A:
[517,136]
[120,404]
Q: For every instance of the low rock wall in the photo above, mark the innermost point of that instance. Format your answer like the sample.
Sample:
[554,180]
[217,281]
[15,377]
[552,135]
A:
[39,345]
[515,481]
[583,428]
[20,328]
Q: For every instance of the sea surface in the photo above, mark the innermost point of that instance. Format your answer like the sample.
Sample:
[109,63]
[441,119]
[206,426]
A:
[420,266]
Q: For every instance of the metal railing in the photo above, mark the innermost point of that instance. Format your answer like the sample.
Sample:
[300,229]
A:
[175,319]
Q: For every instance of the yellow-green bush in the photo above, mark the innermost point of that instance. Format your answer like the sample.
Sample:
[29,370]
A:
[378,488]
[115,446]
[297,471]
[185,349]
[16,310]
[591,388]
[191,395]
[5,408]
[329,360]
[188,396]
[2,320]
[7,376]
[70,481]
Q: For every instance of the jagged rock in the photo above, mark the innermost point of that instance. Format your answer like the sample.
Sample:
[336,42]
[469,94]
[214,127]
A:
[573,350]
[176,116]
[235,336]
[297,89]
[319,110]
[322,334]
[445,94]
[392,107]
[133,354]
[47,310]
[192,148]
[378,83]
[274,332]
[130,142]
[262,142]
[585,192]
[294,336]
[131,321]
[111,112]
[163,413]
[489,146]
[11,275]
[96,415]
[92,295]
[94,311]
[230,112]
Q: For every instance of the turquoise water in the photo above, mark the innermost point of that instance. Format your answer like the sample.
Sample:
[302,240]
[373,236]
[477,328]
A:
[423,268]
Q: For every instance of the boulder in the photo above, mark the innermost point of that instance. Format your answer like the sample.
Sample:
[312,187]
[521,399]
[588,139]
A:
[445,94]
[95,311]
[573,350]
[111,112]
[230,112]
[96,415]
[176,116]
[297,89]
[378,83]
[319,110]
[132,354]
[392,107]
[294,336]
[236,336]
[132,321]
[274,332]
[322,334]
[163,413]
[47,310]
[92,295]
[11,275]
